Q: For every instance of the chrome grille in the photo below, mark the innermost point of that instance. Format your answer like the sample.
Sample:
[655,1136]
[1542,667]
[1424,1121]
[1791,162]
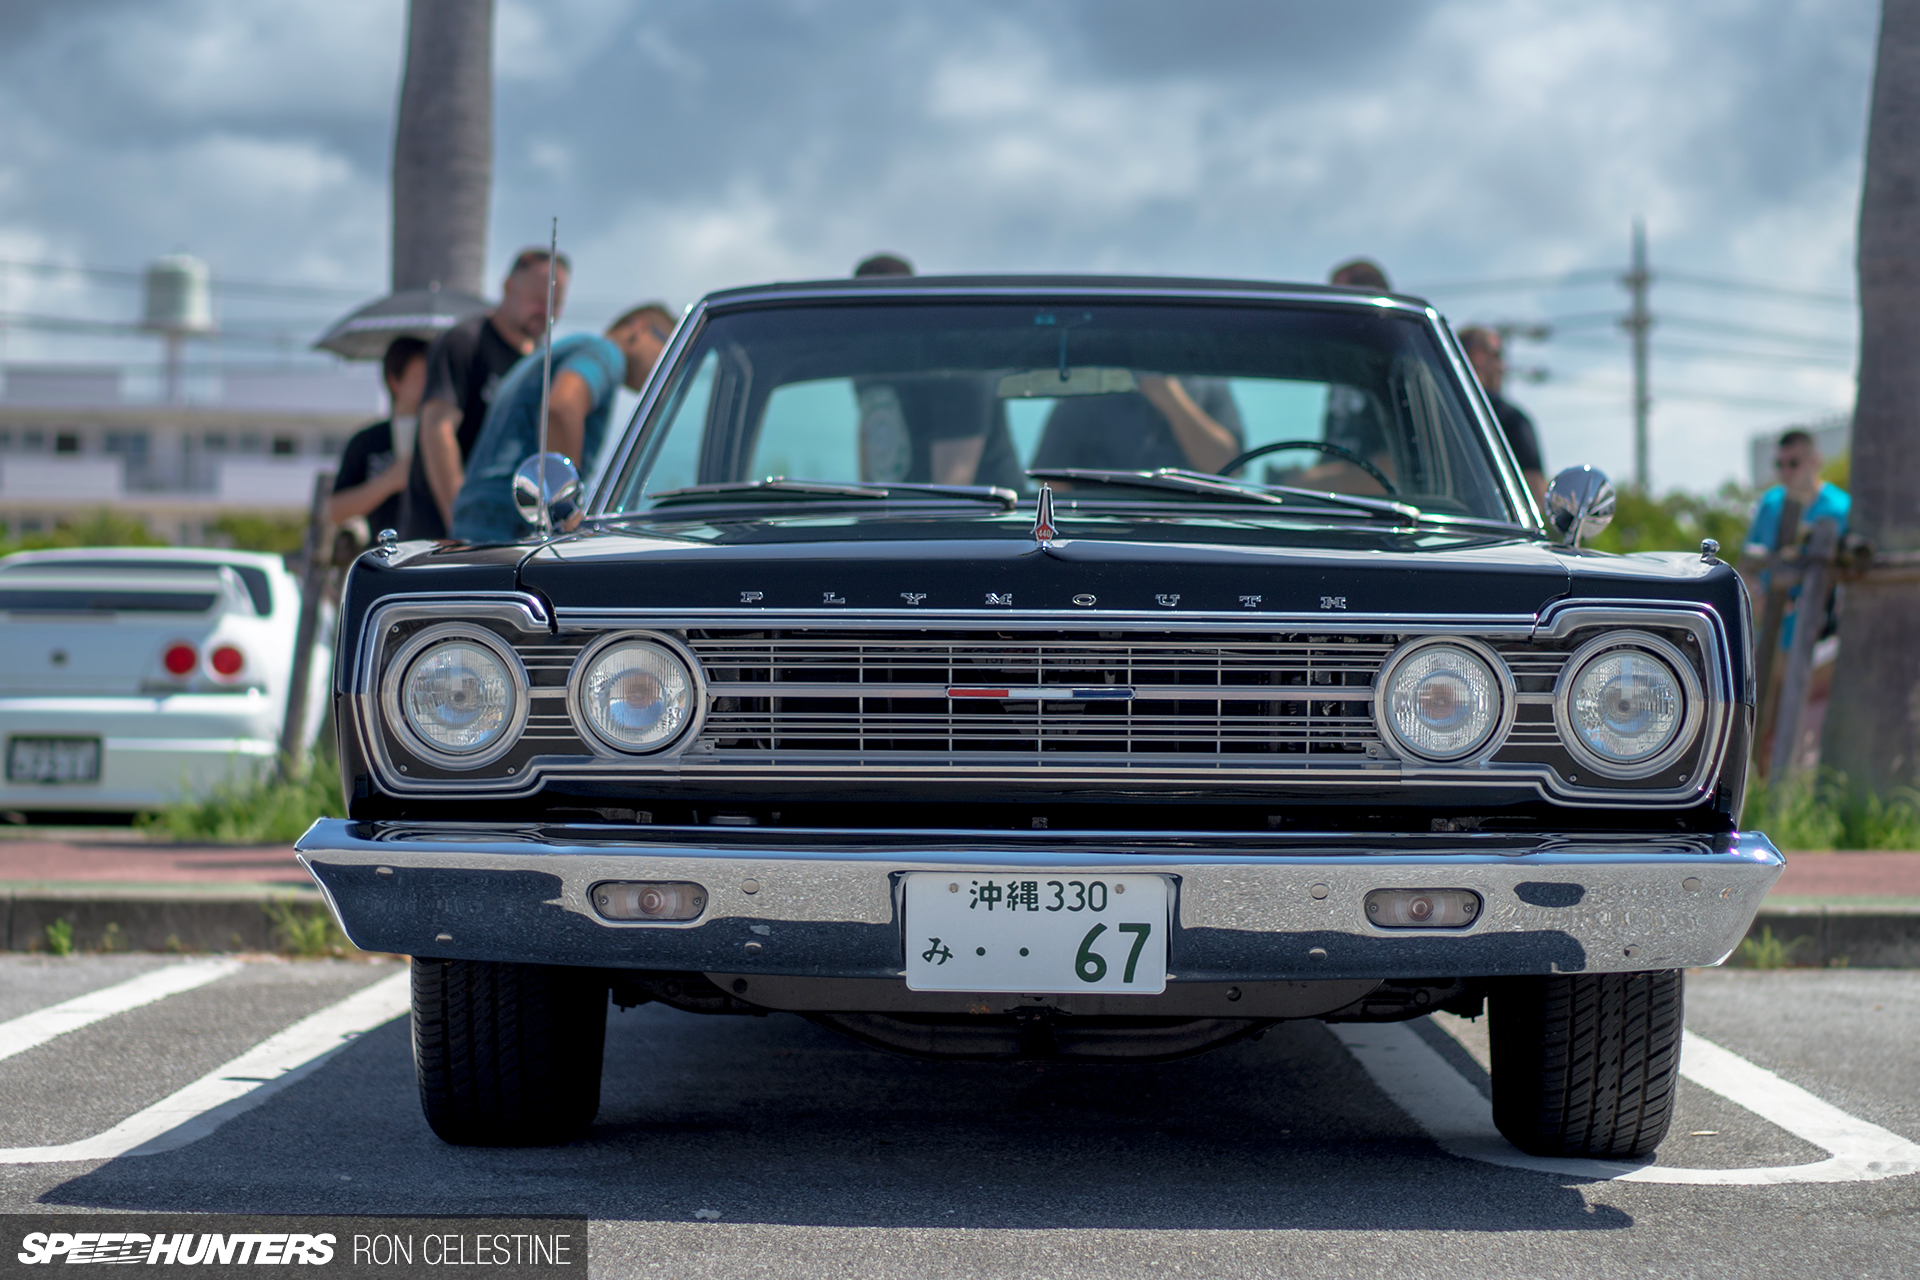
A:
[1137,696]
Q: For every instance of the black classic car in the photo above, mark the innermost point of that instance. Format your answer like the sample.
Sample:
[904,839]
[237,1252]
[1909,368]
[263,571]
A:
[1049,668]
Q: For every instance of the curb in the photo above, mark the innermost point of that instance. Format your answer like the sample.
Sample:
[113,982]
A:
[124,918]
[199,918]
[1861,936]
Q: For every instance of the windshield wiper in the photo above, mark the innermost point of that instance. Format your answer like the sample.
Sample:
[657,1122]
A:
[781,489]
[1196,482]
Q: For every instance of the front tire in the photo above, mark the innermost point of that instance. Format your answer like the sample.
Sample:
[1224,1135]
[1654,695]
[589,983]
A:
[1586,1064]
[507,1055]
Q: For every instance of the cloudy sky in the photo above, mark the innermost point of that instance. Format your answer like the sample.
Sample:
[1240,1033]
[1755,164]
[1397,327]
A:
[687,146]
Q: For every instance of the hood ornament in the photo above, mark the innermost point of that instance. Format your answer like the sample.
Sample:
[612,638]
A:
[1044,531]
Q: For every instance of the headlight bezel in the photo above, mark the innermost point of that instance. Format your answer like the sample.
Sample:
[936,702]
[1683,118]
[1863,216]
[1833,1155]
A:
[417,646]
[608,746]
[1502,720]
[1692,714]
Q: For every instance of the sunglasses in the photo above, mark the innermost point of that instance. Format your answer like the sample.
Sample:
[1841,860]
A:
[1789,464]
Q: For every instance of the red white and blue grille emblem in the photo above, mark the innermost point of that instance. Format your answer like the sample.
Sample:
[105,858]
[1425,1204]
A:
[1045,693]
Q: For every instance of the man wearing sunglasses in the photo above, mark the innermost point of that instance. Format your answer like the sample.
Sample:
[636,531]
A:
[1796,461]
[588,372]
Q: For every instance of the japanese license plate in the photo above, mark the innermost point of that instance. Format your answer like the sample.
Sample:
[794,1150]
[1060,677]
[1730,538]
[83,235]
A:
[53,760]
[1037,934]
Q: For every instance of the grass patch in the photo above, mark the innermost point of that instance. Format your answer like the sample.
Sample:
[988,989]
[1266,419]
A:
[60,937]
[265,809]
[1811,814]
[1767,951]
[307,931]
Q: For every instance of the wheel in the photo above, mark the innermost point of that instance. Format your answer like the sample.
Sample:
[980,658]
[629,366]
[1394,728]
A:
[1586,1064]
[507,1055]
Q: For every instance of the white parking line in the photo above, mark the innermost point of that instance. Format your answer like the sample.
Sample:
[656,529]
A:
[209,1102]
[33,1029]
[1460,1119]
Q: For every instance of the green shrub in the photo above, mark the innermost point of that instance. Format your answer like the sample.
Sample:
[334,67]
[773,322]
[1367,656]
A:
[1677,521]
[60,937]
[1811,814]
[245,531]
[266,809]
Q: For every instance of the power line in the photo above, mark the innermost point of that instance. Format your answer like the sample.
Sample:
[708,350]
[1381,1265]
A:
[1518,284]
[1755,331]
[1731,284]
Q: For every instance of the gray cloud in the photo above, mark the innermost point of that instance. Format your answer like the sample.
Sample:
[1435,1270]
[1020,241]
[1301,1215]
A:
[687,146]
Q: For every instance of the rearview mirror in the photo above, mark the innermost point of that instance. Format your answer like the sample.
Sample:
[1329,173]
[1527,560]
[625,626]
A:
[560,480]
[1580,504]
[1080,380]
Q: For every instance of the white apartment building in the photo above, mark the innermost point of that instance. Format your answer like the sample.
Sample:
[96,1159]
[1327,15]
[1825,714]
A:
[75,439]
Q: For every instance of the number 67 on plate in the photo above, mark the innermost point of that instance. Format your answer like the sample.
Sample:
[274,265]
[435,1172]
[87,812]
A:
[1037,933]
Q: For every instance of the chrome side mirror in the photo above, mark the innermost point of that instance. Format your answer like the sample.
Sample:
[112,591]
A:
[547,484]
[1579,504]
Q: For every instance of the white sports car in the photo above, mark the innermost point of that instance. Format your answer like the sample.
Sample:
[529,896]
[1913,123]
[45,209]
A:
[131,676]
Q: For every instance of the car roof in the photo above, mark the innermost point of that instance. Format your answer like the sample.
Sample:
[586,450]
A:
[212,557]
[986,285]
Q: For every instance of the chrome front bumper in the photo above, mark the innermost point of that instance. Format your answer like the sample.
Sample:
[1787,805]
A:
[1248,908]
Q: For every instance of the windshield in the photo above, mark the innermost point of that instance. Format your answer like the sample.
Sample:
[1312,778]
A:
[917,393]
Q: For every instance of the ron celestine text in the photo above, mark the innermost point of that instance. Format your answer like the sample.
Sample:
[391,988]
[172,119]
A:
[213,1244]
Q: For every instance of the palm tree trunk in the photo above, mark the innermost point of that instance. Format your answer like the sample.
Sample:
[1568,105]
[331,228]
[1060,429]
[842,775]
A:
[443,147]
[1872,731]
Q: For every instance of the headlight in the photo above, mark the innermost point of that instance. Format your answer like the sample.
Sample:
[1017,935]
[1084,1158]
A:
[637,695]
[459,695]
[1443,700]
[1627,704]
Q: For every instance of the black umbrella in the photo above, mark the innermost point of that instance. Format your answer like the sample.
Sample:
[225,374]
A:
[421,313]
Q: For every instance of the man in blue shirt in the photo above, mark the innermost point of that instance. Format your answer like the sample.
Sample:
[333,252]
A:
[1797,462]
[588,372]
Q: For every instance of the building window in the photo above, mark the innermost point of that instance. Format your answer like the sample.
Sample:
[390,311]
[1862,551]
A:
[33,440]
[66,442]
[6,439]
[250,443]
[285,446]
[216,442]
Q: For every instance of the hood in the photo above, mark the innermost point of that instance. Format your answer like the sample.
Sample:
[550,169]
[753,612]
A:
[1207,564]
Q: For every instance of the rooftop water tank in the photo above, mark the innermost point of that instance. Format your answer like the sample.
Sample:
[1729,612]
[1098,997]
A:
[179,295]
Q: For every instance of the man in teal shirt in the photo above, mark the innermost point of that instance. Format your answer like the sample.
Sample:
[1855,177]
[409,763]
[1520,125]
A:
[1796,461]
[588,372]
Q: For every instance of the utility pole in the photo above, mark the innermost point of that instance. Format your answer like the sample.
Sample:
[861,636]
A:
[1637,322]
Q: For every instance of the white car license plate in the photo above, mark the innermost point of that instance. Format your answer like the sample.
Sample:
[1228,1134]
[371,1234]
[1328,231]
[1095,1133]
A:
[1039,934]
[53,760]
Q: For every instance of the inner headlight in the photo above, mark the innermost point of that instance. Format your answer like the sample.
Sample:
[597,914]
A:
[458,696]
[1442,701]
[1625,703]
[637,695]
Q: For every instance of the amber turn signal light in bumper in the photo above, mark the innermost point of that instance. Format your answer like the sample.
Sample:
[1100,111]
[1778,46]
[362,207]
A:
[648,899]
[1423,908]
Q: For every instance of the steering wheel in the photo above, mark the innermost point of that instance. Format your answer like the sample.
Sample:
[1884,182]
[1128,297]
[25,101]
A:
[1334,449]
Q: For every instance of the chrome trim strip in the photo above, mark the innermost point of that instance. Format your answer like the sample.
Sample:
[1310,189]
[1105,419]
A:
[1624,900]
[1520,626]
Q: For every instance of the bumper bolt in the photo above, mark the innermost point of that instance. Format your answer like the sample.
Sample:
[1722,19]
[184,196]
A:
[1317,954]
[753,948]
[749,886]
[1633,952]
[1691,884]
[1233,993]
[443,937]
[1318,891]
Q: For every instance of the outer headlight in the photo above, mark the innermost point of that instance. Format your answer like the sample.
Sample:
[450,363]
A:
[637,694]
[1627,704]
[1443,700]
[459,695]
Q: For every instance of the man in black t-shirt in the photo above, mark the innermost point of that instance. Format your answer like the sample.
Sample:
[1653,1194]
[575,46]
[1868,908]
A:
[373,466]
[1485,352]
[463,369]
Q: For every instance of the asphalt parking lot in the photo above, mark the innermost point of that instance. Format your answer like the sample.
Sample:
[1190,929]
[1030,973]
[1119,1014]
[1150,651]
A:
[769,1147]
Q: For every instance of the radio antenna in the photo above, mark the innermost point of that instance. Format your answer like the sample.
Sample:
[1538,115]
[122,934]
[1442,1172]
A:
[546,380]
